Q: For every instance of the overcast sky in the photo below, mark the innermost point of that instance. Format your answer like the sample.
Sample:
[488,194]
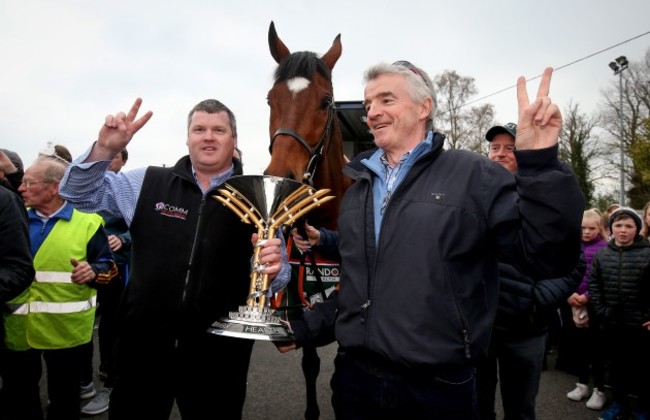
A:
[67,64]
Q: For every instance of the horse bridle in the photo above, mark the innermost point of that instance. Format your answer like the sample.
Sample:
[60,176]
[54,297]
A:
[315,153]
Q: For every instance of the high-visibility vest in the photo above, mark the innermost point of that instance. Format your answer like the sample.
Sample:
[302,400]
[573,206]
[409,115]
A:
[54,313]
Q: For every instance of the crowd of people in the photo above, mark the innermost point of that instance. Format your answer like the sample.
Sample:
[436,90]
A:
[453,265]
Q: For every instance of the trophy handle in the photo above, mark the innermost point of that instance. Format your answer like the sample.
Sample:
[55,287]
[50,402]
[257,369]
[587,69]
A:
[315,199]
[245,213]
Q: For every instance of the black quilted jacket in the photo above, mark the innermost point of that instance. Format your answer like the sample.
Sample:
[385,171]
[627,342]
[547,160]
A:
[619,284]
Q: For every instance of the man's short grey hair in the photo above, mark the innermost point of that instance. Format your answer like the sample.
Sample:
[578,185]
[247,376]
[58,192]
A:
[419,83]
[52,170]
[212,106]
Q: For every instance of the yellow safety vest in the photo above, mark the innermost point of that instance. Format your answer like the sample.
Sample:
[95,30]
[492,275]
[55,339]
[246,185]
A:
[54,313]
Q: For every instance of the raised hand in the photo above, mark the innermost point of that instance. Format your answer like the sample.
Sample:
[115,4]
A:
[540,121]
[117,132]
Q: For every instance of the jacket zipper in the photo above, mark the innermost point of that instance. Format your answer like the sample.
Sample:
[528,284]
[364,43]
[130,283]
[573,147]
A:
[191,259]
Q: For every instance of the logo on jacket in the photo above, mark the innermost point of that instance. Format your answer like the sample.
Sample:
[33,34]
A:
[171,211]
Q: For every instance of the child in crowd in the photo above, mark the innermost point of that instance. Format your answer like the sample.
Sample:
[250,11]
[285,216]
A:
[619,289]
[586,332]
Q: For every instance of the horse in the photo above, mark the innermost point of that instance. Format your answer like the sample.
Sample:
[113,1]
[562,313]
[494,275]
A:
[307,145]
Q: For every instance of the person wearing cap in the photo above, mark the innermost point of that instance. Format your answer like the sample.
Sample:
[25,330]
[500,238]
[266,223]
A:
[502,145]
[11,170]
[619,287]
[518,343]
[419,234]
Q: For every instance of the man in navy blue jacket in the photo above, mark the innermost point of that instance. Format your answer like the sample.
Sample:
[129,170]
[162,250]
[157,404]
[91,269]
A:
[420,231]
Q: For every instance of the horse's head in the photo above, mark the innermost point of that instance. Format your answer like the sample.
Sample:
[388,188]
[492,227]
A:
[306,142]
[302,109]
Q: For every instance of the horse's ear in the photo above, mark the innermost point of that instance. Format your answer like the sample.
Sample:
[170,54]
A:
[331,56]
[277,47]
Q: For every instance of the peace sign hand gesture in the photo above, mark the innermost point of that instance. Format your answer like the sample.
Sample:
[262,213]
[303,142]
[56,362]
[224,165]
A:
[117,132]
[540,121]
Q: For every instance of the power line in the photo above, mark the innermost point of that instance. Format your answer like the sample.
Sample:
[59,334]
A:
[557,68]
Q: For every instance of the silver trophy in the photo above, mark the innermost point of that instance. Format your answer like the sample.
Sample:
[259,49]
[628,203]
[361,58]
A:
[268,202]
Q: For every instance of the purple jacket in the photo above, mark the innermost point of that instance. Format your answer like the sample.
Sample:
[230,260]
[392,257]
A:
[590,249]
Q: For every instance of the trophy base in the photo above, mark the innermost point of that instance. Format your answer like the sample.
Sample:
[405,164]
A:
[252,323]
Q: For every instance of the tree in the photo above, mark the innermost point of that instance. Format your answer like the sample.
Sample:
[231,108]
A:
[465,127]
[639,192]
[634,114]
[580,148]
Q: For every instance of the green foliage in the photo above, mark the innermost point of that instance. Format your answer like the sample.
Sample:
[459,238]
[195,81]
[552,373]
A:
[639,151]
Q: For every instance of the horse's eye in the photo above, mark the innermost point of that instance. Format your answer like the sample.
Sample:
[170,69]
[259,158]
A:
[326,102]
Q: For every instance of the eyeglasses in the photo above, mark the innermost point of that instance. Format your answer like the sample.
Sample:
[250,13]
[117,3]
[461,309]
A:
[29,182]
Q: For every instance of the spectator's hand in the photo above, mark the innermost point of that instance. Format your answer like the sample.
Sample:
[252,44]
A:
[577,300]
[540,121]
[270,255]
[117,131]
[6,165]
[115,243]
[580,317]
[303,244]
[285,346]
[82,272]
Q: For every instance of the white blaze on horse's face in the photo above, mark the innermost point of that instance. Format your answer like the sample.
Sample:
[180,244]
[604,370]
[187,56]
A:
[297,84]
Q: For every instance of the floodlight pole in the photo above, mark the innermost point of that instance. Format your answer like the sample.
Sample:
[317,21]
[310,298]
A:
[620,121]
[618,66]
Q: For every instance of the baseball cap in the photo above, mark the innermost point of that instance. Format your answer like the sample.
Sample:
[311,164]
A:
[510,128]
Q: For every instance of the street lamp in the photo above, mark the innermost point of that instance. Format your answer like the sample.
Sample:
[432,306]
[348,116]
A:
[618,66]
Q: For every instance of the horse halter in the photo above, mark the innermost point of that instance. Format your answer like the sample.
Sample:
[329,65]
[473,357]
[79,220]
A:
[315,153]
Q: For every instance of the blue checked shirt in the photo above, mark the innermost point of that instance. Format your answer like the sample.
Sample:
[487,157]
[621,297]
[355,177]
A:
[387,179]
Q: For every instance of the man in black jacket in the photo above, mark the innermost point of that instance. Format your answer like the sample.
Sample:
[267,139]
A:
[420,231]
[190,265]
[16,267]
[518,340]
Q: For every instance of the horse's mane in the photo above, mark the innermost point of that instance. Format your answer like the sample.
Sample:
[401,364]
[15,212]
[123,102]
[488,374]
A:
[301,64]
